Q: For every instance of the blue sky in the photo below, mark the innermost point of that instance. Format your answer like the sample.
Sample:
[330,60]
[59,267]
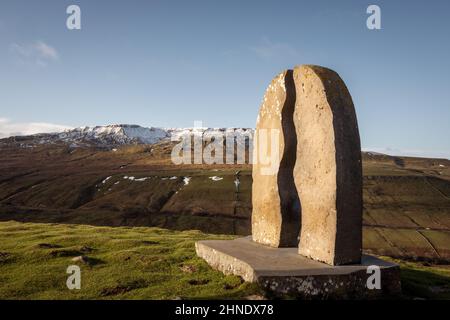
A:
[169,63]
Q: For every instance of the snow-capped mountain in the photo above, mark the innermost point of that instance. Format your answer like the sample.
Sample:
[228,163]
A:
[114,134]
[207,133]
[122,134]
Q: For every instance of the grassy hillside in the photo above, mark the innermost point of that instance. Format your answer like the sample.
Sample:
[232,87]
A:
[140,263]
[120,263]
[406,200]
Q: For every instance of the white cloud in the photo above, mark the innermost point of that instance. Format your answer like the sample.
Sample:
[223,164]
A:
[46,51]
[37,53]
[9,128]
[410,153]
[268,49]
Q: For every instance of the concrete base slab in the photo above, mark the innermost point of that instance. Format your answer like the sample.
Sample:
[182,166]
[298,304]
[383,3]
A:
[282,272]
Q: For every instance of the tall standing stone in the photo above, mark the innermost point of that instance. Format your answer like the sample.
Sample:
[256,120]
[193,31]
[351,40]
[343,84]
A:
[328,172]
[321,158]
[275,215]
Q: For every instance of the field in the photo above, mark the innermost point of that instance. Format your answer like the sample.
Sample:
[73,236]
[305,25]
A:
[406,217]
[140,263]
[125,263]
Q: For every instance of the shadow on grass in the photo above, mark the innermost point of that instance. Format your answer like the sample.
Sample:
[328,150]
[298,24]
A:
[94,261]
[424,284]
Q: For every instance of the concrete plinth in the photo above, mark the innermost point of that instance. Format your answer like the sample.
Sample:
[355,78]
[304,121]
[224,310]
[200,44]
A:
[282,272]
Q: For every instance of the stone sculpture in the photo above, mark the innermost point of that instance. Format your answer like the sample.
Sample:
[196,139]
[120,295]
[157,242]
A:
[328,171]
[275,215]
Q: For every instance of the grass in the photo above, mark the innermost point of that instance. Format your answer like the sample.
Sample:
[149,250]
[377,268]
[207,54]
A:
[424,281]
[121,263]
[141,263]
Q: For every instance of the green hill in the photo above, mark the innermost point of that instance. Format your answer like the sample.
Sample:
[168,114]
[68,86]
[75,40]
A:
[140,263]
[124,262]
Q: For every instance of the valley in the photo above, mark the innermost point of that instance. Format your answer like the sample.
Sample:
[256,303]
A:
[406,200]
